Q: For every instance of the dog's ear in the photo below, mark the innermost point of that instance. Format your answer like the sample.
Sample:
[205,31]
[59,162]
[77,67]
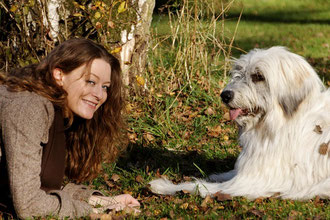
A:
[290,103]
[297,81]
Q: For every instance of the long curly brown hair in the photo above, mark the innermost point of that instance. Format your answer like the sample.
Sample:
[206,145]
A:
[89,142]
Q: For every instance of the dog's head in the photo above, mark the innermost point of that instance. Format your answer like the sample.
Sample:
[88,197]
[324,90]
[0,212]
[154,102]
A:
[268,84]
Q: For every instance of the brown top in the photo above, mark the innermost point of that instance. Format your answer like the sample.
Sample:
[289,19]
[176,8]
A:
[25,120]
[53,155]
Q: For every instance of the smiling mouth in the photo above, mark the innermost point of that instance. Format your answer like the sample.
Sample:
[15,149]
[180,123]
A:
[92,104]
[238,112]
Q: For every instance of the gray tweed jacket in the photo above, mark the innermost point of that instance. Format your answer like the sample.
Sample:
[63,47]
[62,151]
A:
[25,119]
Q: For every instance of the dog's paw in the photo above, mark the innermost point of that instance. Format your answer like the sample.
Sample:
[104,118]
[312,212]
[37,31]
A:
[161,186]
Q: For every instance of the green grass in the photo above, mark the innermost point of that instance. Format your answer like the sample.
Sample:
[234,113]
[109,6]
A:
[178,127]
[284,10]
[175,134]
[299,25]
[309,40]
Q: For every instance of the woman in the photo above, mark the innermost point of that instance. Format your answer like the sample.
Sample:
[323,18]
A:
[61,116]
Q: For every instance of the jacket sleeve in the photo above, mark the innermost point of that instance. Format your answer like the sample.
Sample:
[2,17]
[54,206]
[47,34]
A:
[25,125]
[80,192]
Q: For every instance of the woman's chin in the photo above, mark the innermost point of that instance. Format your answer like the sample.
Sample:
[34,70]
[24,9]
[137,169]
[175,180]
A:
[85,115]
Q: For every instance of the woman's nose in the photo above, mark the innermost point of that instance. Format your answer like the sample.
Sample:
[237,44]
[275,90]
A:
[98,92]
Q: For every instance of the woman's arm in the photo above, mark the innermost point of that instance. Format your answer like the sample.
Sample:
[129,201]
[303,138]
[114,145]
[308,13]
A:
[26,122]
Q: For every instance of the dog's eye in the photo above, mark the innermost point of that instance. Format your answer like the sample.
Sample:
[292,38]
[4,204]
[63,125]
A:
[237,77]
[257,77]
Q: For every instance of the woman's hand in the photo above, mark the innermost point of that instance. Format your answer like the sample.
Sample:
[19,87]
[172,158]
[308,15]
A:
[117,203]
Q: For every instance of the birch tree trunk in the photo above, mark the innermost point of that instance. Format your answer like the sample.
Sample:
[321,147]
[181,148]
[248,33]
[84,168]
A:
[135,43]
[51,17]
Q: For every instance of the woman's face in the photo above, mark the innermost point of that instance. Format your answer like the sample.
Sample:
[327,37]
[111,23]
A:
[86,92]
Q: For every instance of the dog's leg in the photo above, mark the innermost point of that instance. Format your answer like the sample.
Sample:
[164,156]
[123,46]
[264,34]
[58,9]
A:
[321,189]
[166,187]
[222,177]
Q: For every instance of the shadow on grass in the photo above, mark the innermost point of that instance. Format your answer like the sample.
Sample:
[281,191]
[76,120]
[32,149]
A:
[301,16]
[322,67]
[157,158]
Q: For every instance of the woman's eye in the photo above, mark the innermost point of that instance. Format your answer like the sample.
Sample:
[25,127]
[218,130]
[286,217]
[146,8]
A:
[91,82]
[106,88]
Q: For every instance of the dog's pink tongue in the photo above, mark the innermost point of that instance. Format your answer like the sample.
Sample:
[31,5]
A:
[234,113]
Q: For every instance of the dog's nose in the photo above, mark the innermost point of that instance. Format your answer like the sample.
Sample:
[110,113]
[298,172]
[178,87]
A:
[227,96]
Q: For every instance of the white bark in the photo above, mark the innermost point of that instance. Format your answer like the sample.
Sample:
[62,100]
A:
[135,42]
[128,44]
[51,17]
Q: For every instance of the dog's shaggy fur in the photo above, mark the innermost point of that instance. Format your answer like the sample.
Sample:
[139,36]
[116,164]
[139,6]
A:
[283,112]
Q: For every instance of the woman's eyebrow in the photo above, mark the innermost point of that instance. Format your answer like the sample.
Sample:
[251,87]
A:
[99,77]
[95,75]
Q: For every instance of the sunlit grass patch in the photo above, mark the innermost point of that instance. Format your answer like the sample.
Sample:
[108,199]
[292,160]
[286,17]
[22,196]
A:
[178,127]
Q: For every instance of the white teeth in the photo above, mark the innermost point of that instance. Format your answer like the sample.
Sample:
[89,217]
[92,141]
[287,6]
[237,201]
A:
[91,103]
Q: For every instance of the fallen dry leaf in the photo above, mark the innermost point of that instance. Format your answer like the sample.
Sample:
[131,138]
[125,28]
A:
[214,131]
[317,217]
[178,201]
[257,212]
[187,178]
[219,196]
[218,207]
[148,137]
[184,205]
[186,135]
[115,177]
[111,24]
[209,111]
[221,83]
[110,184]
[98,25]
[318,129]
[95,216]
[157,212]
[193,206]
[172,215]
[294,213]
[158,175]
[259,200]
[323,148]
[127,192]
[139,179]
[132,137]
[193,115]
[206,201]
[226,116]
[318,201]
[140,80]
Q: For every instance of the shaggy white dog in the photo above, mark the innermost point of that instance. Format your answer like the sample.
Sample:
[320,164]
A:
[283,112]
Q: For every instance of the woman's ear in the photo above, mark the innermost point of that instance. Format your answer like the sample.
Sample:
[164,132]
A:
[58,76]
